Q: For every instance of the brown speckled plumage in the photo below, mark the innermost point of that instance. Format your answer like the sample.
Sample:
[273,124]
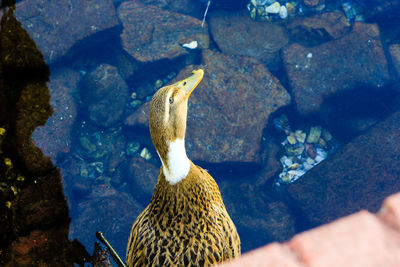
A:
[185,224]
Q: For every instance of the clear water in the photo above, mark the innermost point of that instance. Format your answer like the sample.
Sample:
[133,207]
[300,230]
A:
[97,160]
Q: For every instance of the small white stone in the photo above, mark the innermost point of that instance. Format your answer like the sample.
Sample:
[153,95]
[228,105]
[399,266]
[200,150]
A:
[307,166]
[294,166]
[274,8]
[191,45]
[310,161]
[309,55]
[145,154]
[283,12]
[288,162]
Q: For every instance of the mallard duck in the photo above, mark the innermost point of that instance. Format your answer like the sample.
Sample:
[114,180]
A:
[186,223]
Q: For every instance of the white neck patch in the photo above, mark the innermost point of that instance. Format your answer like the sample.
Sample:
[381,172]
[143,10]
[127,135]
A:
[178,162]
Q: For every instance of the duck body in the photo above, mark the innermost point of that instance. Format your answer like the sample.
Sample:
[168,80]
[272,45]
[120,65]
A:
[186,222]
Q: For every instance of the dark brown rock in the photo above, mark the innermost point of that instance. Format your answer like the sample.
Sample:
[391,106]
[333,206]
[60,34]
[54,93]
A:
[140,116]
[359,176]
[189,7]
[56,32]
[229,109]
[106,94]
[236,33]
[272,166]
[387,9]
[318,28]
[315,73]
[108,211]
[151,33]
[394,51]
[142,179]
[54,137]
[260,219]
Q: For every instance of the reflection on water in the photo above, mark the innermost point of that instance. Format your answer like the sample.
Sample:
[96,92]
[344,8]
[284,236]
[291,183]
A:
[325,65]
[33,210]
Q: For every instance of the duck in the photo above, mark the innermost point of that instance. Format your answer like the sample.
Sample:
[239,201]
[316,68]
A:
[186,222]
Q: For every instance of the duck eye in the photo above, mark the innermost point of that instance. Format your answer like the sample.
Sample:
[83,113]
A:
[171,100]
[184,83]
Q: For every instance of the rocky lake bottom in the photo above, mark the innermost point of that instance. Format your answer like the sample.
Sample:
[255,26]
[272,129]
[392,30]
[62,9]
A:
[297,117]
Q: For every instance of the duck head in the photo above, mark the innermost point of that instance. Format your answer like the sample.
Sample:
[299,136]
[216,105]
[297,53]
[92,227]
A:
[168,115]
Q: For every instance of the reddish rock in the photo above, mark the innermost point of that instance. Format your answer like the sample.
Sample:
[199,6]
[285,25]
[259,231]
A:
[236,33]
[228,110]
[318,28]
[55,136]
[106,94]
[357,240]
[142,179]
[358,176]
[344,64]
[394,51]
[151,33]
[55,32]
[108,211]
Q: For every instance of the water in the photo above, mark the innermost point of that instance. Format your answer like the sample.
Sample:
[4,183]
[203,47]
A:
[100,141]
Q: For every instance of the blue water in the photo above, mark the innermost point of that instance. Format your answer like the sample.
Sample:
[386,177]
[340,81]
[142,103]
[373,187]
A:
[96,161]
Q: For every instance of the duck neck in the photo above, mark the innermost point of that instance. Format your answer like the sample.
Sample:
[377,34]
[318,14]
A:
[175,164]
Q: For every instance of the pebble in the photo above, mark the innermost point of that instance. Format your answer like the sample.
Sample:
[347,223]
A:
[283,13]
[300,136]
[294,166]
[191,45]
[132,148]
[326,135]
[314,135]
[307,166]
[291,10]
[291,139]
[288,162]
[295,149]
[145,154]
[274,8]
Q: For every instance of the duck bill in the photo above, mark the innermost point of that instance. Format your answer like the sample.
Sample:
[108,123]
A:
[190,82]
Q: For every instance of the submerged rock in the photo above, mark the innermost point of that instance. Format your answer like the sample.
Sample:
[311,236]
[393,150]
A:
[395,54]
[108,211]
[105,94]
[151,33]
[57,26]
[318,28]
[187,7]
[142,179]
[358,176]
[261,218]
[235,33]
[229,109]
[344,64]
[55,136]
